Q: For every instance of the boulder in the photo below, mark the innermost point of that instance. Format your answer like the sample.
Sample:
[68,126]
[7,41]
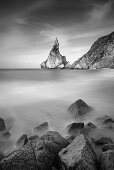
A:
[107,147]
[79,108]
[3,131]
[75,128]
[107,160]
[2,125]
[41,154]
[78,155]
[41,129]
[103,141]
[55,59]
[23,140]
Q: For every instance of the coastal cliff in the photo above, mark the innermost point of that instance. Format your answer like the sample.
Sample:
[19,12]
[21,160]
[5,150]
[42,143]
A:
[100,55]
[55,59]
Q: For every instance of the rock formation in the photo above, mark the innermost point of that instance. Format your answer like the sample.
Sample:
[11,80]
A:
[55,59]
[100,55]
[79,108]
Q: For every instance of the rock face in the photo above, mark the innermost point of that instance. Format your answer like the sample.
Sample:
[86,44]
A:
[100,55]
[79,108]
[78,155]
[107,160]
[55,59]
[41,154]
[75,128]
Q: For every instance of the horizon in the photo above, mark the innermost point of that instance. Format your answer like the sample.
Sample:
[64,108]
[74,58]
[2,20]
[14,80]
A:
[28,29]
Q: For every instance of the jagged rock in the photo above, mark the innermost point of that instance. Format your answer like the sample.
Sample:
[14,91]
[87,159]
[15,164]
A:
[33,138]
[41,129]
[100,55]
[41,154]
[105,121]
[103,141]
[78,155]
[107,160]
[2,155]
[74,128]
[3,131]
[22,141]
[79,108]
[55,59]
[107,147]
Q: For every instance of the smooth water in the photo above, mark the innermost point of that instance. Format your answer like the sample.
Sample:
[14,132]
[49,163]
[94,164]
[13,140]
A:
[30,97]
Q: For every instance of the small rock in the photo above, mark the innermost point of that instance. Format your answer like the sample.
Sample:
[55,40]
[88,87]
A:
[78,155]
[79,108]
[22,141]
[103,141]
[107,160]
[89,127]
[41,129]
[107,147]
[75,128]
[33,138]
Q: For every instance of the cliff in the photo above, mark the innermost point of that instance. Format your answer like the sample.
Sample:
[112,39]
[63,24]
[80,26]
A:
[100,55]
[55,59]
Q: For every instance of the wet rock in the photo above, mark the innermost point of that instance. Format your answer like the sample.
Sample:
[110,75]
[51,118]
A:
[78,155]
[2,155]
[41,154]
[107,160]
[79,108]
[3,131]
[107,147]
[33,138]
[22,141]
[75,128]
[55,59]
[103,141]
[105,121]
[41,129]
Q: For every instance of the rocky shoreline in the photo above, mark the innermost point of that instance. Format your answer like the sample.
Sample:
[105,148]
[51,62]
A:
[48,150]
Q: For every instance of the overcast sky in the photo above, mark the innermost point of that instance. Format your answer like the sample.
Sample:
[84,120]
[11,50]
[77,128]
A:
[28,29]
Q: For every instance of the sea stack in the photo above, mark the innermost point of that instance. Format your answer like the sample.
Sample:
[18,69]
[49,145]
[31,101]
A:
[55,59]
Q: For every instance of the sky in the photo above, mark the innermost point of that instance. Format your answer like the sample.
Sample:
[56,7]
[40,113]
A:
[28,29]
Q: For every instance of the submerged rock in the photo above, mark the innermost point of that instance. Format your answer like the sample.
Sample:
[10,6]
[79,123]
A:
[78,155]
[41,154]
[100,55]
[22,141]
[107,160]
[79,108]
[41,129]
[55,59]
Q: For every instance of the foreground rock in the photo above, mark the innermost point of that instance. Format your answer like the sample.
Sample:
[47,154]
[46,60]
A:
[41,155]
[100,55]
[22,141]
[107,147]
[79,108]
[78,155]
[55,59]
[41,129]
[2,155]
[74,128]
[107,160]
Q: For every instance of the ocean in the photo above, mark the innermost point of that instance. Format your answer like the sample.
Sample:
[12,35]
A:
[31,97]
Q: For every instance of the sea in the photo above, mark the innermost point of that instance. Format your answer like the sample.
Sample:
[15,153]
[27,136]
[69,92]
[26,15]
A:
[33,96]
